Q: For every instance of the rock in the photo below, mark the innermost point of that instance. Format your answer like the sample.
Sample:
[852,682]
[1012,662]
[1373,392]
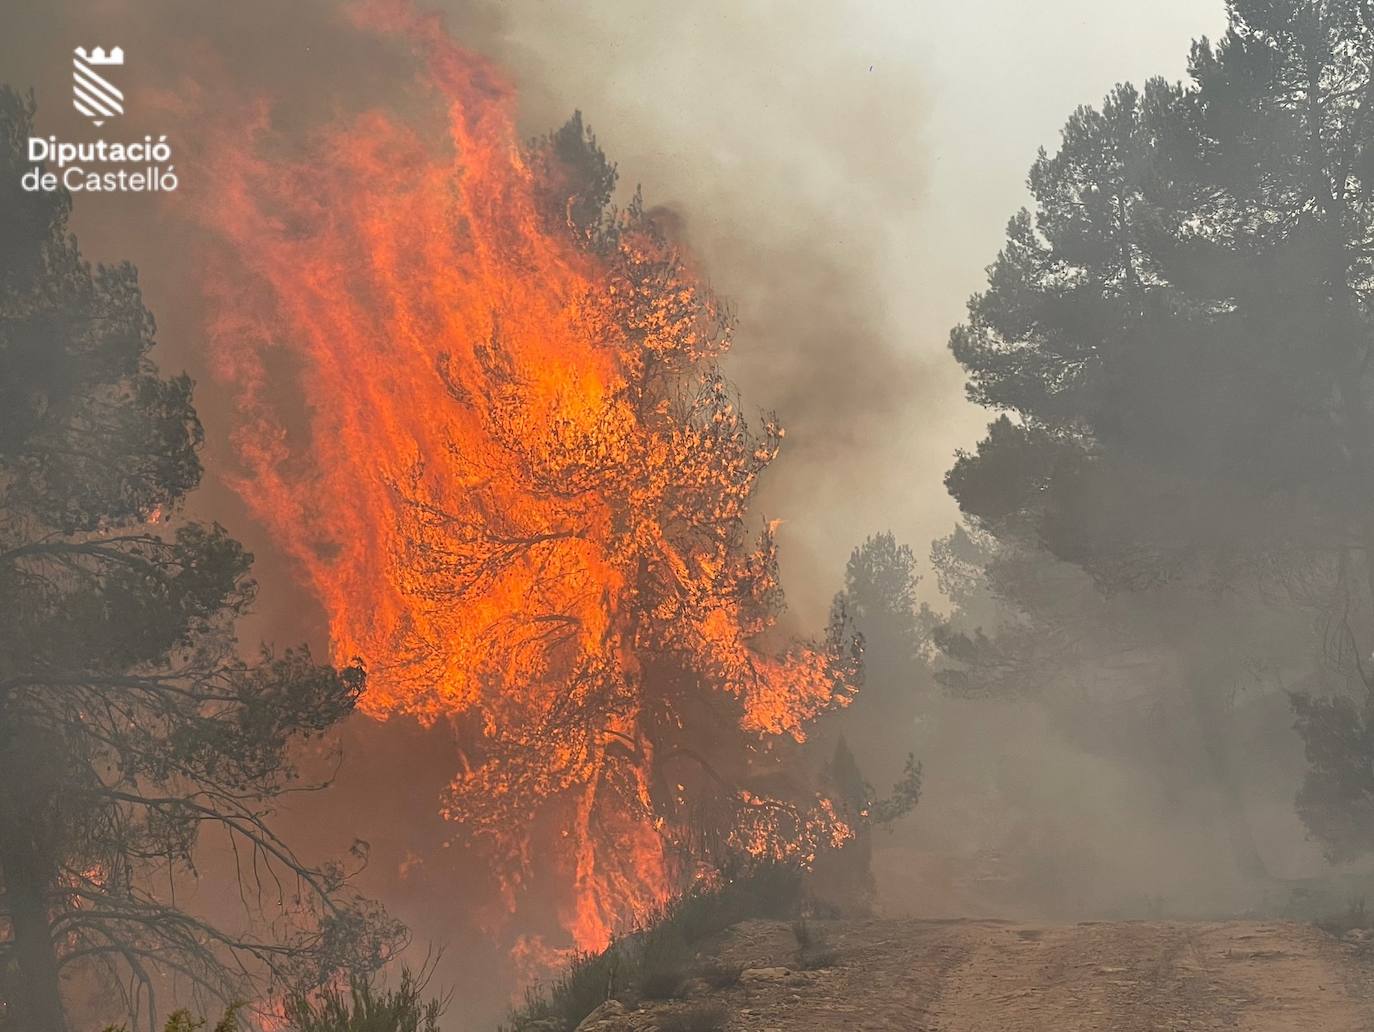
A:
[611,1016]
[766,974]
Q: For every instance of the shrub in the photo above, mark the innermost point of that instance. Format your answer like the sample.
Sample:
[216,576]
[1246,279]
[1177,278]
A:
[719,974]
[366,1007]
[1356,917]
[182,1021]
[588,981]
[813,948]
[655,961]
[664,963]
[702,1017]
[819,957]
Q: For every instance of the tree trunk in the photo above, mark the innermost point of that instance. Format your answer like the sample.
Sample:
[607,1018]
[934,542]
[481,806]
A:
[37,1001]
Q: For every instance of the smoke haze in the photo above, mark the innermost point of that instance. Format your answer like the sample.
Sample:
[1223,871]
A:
[844,173]
[841,174]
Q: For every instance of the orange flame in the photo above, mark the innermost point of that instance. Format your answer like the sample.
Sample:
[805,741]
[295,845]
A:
[520,485]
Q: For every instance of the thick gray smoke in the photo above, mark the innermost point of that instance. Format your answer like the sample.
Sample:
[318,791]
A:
[844,172]
[794,153]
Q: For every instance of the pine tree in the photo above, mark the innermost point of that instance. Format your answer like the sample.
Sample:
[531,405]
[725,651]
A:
[129,723]
[1178,341]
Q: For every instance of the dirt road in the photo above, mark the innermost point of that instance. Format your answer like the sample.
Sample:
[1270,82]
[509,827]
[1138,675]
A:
[983,976]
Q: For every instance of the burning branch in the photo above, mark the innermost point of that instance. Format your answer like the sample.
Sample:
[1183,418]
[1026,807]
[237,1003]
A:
[524,490]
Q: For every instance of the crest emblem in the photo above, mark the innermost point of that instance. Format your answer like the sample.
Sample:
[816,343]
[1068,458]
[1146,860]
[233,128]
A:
[93,95]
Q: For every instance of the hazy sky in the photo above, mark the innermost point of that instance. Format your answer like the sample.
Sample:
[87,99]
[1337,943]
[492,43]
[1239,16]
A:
[845,171]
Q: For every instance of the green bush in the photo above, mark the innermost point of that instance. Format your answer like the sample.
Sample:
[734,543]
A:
[656,960]
[182,1021]
[363,1007]
[366,1007]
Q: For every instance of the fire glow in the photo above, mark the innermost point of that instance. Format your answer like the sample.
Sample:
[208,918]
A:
[520,492]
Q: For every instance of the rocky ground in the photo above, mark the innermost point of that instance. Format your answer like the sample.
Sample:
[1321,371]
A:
[989,976]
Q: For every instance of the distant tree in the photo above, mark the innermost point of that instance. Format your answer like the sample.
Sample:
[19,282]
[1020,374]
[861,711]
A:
[1180,339]
[128,722]
[874,735]
[843,877]
[879,596]
[879,600]
[1022,622]
[1337,797]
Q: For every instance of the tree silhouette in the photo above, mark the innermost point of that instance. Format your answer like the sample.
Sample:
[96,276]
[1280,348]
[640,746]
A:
[1179,339]
[129,723]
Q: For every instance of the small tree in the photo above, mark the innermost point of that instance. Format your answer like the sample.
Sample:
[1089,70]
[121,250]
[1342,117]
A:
[879,599]
[128,721]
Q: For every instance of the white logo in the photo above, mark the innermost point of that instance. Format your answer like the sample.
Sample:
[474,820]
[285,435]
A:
[92,94]
[99,166]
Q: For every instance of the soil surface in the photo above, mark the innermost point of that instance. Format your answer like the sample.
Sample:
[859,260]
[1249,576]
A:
[989,976]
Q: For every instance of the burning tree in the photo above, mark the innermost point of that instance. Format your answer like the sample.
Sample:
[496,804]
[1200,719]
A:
[128,722]
[523,492]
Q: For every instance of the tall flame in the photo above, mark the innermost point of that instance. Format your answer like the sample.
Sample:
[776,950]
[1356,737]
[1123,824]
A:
[518,486]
